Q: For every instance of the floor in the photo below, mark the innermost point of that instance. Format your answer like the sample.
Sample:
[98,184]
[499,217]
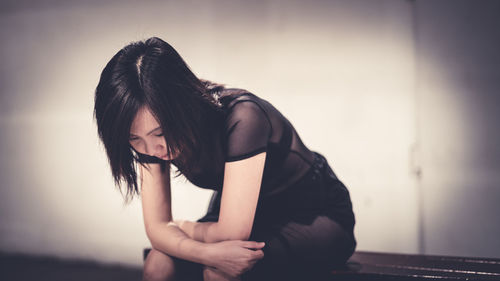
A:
[15,267]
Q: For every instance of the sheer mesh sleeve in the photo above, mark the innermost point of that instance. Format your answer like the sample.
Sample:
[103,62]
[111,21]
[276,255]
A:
[247,131]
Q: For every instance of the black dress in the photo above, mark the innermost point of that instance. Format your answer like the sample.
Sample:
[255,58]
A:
[304,212]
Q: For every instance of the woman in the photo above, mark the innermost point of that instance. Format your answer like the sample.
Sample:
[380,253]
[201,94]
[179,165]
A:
[152,113]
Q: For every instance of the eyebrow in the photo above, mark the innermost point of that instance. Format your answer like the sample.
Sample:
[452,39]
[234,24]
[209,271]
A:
[150,132]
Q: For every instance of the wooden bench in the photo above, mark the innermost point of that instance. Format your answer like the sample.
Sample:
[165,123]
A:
[386,266]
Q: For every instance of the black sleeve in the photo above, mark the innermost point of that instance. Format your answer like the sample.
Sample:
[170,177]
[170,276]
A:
[248,130]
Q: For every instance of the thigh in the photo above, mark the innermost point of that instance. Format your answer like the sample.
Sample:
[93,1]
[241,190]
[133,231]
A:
[296,250]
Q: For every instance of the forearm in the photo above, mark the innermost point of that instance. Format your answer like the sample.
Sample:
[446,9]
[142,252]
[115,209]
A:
[196,230]
[170,239]
[208,232]
[229,258]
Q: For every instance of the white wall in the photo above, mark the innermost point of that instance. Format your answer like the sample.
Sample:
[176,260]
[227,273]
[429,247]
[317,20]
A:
[342,71]
[459,108]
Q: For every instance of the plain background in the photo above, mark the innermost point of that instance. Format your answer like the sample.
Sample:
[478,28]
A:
[401,97]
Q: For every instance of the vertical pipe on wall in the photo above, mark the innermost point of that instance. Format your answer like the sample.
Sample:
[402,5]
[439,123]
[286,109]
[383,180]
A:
[415,157]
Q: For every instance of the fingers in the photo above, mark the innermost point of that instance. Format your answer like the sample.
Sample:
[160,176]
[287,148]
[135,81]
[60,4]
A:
[253,245]
[258,254]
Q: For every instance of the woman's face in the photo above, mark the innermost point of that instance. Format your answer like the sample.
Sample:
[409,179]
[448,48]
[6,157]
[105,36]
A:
[146,135]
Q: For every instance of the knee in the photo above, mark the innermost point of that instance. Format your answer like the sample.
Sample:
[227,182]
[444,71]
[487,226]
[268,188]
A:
[208,274]
[158,267]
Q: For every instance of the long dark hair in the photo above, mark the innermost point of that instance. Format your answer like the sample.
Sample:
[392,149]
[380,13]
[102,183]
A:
[151,73]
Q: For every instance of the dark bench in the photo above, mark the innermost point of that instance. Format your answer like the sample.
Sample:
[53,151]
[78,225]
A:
[385,266]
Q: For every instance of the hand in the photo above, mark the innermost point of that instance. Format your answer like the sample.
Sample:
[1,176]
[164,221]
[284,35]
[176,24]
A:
[234,257]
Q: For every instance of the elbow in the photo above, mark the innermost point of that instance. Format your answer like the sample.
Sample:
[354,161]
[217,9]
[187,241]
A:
[240,235]
[151,233]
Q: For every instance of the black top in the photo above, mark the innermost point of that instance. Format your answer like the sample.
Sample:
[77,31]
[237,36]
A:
[251,126]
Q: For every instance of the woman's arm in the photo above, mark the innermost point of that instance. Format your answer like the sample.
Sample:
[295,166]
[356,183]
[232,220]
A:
[156,206]
[240,193]
[232,257]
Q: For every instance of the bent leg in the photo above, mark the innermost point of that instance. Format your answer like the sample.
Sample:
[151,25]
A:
[160,266]
[296,251]
[323,243]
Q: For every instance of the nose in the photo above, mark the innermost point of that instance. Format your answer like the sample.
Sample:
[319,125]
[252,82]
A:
[155,149]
